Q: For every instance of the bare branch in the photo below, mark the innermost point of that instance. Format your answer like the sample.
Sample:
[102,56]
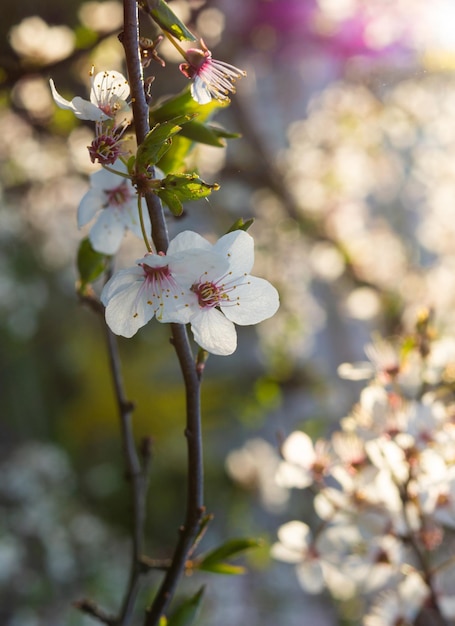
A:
[135,475]
[194,506]
[90,608]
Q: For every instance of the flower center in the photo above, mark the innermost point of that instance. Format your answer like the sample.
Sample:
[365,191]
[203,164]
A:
[104,149]
[156,274]
[208,294]
[118,196]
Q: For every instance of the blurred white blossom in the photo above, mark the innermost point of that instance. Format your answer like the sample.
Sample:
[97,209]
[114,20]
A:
[386,496]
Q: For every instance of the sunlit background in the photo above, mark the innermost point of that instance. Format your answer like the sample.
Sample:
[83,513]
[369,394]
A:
[347,164]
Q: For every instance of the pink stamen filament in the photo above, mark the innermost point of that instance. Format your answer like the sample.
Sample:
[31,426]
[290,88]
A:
[158,276]
[158,283]
[211,294]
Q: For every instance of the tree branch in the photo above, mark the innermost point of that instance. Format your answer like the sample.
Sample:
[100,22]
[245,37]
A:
[135,474]
[194,505]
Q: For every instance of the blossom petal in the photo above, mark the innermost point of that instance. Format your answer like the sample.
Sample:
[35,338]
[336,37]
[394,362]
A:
[196,266]
[107,232]
[85,110]
[282,553]
[59,100]
[251,302]
[213,332]
[127,310]
[200,91]
[120,281]
[295,535]
[104,179]
[107,86]
[91,203]
[298,449]
[310,575]
[186,241]
[292,476]
[238,248]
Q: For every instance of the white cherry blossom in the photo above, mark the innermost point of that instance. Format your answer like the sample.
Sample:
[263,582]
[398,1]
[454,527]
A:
[197,282]
[401,605]
[155,287]
[108,94]
[303,462]
[295,545]
[112,200]
[222,297]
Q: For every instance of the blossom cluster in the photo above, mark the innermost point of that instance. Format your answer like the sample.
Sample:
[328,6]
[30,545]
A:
[385,490]
[111,198]
[207,286]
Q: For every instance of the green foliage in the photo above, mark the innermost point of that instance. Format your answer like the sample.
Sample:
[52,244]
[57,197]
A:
[187,612]
[90,263]
[166,19]
[195,130]
[207,133]
[178,188]
[215,560]
[181,104]
[157,142]
[240,224]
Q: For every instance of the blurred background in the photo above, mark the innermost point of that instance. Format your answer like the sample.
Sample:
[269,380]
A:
[347,164]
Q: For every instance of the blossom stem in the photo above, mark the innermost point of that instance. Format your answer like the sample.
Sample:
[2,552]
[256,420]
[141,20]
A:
[141,219]
[176,45]
[116,172]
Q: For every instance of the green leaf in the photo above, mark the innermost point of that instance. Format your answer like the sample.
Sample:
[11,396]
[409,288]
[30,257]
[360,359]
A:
[178,188]
[223,568]
[183,103]
[208,134]
[240,224]
[130,164]
[226,134]
[174,159]
[90,263]
[166,19]
[202,134]
[187,612]
[173,203]
[158,141]
[213,561]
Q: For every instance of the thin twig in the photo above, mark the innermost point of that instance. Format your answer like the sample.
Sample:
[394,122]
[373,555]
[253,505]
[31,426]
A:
[194,505]
[90,608]
[136,477]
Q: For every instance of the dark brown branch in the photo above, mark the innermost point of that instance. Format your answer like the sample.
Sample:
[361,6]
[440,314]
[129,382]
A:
[194,506]
[90,608]
[135,475]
